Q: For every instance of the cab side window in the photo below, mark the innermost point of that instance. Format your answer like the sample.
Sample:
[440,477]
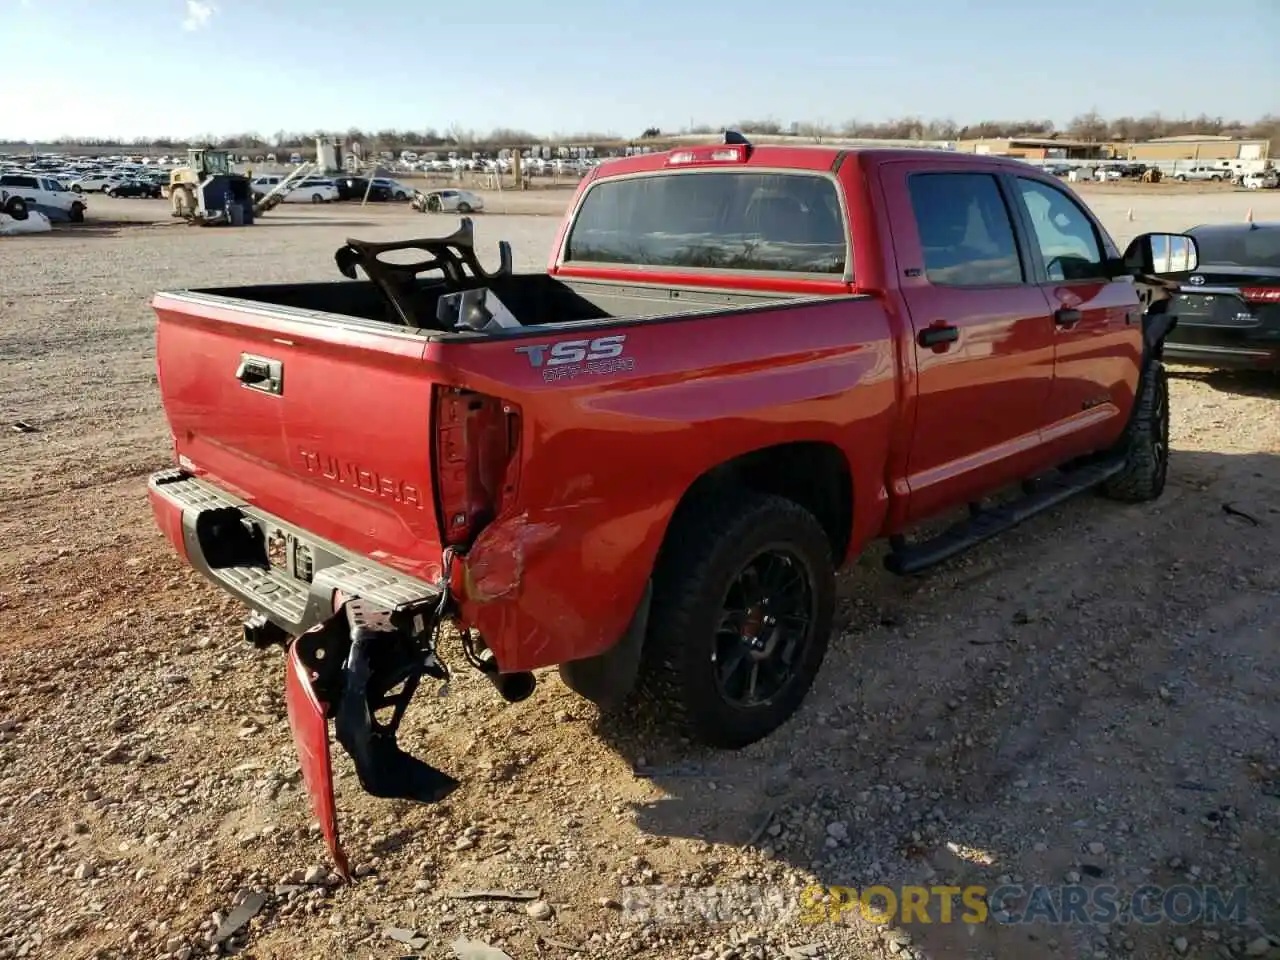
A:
[1064,233]
[966,232]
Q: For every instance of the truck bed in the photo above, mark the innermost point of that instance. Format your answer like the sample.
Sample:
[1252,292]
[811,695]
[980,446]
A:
[537,300]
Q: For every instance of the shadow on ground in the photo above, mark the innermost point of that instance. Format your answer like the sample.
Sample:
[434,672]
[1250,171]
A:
[1075,683]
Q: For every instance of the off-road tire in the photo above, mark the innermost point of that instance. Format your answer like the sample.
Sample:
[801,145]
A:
[16,207]
[1146,443]
[703,554]
[183,200]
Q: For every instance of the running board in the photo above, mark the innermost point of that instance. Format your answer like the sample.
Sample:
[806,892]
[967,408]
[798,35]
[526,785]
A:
[983,524]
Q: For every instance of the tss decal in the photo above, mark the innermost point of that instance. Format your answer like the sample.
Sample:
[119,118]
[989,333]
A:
[574,351]
[566,359]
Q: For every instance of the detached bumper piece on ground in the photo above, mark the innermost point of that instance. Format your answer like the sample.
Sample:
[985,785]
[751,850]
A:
[358,665]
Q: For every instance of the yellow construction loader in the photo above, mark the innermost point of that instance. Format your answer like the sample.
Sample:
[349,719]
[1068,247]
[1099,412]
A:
[208,191]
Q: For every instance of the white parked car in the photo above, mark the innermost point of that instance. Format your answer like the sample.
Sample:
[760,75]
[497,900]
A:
[95,182]
[45,195]
[313,190]
[1262,180]
[448,201]
[306,190]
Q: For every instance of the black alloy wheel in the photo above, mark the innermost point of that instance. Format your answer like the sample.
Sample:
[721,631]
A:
[767,622]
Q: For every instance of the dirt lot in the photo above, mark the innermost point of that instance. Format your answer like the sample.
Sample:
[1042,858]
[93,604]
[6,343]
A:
[1093,699]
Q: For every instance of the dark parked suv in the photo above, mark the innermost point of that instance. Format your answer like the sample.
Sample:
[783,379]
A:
[1229,310]
[353,188]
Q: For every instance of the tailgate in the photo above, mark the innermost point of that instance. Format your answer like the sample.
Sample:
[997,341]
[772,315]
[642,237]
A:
[320,421]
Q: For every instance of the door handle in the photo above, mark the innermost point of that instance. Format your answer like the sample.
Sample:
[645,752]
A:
[938,334]
[1066,317]
[261,373]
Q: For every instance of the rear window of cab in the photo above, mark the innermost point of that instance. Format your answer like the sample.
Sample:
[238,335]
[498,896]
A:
[720,220]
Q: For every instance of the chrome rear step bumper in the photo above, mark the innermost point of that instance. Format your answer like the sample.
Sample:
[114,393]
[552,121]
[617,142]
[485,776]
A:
[226,539]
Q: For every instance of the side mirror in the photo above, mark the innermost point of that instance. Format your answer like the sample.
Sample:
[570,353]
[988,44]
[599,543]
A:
[1157,254]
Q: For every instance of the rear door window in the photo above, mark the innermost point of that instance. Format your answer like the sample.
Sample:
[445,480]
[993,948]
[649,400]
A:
[966,232]
[727,220]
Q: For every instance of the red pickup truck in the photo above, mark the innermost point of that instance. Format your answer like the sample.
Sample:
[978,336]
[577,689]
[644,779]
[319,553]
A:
[741,366]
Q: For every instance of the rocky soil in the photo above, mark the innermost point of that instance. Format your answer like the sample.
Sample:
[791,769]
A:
[1091,701]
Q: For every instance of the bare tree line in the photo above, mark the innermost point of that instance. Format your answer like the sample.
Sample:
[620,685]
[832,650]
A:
[1089,126]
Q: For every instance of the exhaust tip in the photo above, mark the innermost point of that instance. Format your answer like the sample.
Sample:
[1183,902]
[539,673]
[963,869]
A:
[514,687]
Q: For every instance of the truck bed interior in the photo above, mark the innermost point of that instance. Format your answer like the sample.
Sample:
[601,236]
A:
[535,299]
[405,292]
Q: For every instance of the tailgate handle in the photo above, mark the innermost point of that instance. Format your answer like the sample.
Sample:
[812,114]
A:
[261,373]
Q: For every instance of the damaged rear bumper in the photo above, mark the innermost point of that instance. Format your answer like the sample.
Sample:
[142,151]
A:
[360,669]
[230,542]
[360,637]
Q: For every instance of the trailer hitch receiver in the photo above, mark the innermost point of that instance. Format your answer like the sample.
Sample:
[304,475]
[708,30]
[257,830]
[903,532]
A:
[361,664]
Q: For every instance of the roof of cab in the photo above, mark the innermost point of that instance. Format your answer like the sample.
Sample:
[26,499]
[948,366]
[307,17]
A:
[817,157]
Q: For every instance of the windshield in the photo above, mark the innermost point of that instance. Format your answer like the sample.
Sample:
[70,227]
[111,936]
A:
[739,220]
[1257,246]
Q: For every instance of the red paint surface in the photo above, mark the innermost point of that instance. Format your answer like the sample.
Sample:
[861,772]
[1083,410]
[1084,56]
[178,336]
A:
[600,462]
[311,737]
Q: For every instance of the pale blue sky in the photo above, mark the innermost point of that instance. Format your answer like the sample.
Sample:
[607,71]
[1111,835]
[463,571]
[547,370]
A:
[149,67]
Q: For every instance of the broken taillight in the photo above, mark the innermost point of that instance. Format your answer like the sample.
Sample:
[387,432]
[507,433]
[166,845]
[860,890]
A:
[477,447]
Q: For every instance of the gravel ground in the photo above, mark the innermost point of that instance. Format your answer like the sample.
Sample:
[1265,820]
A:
[1089,700]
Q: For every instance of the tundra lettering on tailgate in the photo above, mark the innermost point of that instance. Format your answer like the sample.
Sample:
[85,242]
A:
[566,359]
[349,474]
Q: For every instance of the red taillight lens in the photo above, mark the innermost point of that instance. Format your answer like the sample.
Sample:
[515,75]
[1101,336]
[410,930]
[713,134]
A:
[1261,294]
[477,460]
